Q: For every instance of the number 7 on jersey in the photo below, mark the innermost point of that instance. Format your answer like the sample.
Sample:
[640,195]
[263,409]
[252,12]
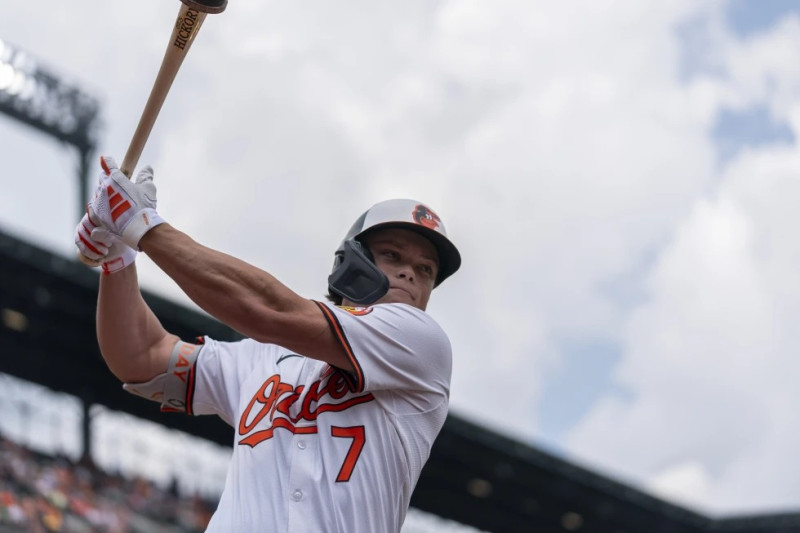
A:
[357,434]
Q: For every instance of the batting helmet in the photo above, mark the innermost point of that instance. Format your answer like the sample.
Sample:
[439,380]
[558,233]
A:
[355,275]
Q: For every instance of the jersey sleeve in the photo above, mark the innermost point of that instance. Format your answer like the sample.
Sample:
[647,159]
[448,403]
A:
[220,370]
[393,347]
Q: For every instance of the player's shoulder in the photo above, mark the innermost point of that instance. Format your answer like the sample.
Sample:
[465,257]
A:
[383,311]
[245,347]
[406,311]
[395,315]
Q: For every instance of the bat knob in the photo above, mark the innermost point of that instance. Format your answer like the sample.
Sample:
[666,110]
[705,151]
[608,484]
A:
[86,261]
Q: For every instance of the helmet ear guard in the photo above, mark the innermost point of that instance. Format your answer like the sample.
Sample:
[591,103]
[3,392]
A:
[355,276]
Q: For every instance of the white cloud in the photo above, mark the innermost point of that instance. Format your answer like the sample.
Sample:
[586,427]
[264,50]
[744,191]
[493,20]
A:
[706,308]
[686,483]
[709,355]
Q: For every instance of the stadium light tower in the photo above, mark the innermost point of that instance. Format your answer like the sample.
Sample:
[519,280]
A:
[40,99]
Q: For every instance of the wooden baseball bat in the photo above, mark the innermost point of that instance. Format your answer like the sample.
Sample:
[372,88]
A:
[190,18]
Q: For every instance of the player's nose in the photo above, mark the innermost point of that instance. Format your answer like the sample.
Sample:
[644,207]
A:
[405,271]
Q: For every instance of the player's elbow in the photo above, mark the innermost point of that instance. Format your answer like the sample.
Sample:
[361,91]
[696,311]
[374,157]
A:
[138,365]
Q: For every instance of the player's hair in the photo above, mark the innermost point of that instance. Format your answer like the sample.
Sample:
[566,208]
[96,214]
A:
[335,299]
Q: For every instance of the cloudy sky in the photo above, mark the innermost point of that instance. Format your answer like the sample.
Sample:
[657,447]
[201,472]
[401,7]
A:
[620,177]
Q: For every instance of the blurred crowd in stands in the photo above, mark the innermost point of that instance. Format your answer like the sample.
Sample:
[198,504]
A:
[43,494]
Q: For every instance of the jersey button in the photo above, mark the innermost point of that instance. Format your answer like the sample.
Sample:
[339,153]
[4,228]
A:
[297,495]
[301,444]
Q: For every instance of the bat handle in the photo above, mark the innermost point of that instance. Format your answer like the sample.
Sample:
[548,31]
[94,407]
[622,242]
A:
[186,27]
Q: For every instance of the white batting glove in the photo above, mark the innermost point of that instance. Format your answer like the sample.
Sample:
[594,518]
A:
[126,208]
[101,248]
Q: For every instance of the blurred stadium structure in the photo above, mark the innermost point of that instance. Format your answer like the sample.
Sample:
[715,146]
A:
[77,426]
[32,94]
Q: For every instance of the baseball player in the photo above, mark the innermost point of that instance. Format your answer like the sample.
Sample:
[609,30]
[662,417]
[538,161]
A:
[334,406]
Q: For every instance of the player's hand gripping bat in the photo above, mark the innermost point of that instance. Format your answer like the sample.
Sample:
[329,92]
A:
[188,23]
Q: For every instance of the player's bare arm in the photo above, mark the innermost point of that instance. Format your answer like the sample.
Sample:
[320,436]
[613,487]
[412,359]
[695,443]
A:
[132,341]
[242,296]
[134,344]
[417,258]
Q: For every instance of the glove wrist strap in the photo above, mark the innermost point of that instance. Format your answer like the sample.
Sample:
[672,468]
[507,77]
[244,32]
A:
[141,223]
[127,258]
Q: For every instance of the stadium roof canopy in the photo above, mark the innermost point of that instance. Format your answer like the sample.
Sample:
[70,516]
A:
[474,476]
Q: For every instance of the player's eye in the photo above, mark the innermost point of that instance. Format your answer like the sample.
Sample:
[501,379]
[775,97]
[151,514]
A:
[427,270]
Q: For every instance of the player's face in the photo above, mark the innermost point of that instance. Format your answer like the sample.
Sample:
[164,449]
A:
[410,262]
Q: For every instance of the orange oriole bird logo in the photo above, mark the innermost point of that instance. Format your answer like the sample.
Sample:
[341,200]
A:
[424,216]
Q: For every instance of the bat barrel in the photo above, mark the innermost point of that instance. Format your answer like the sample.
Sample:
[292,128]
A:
[207,6]
[186,27]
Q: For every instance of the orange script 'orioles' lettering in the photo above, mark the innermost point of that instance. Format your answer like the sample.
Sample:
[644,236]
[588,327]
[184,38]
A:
[275,397]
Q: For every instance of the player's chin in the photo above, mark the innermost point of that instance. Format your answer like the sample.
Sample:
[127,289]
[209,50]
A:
[398,296]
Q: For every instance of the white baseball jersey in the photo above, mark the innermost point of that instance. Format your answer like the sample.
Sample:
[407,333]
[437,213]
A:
[320,450]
